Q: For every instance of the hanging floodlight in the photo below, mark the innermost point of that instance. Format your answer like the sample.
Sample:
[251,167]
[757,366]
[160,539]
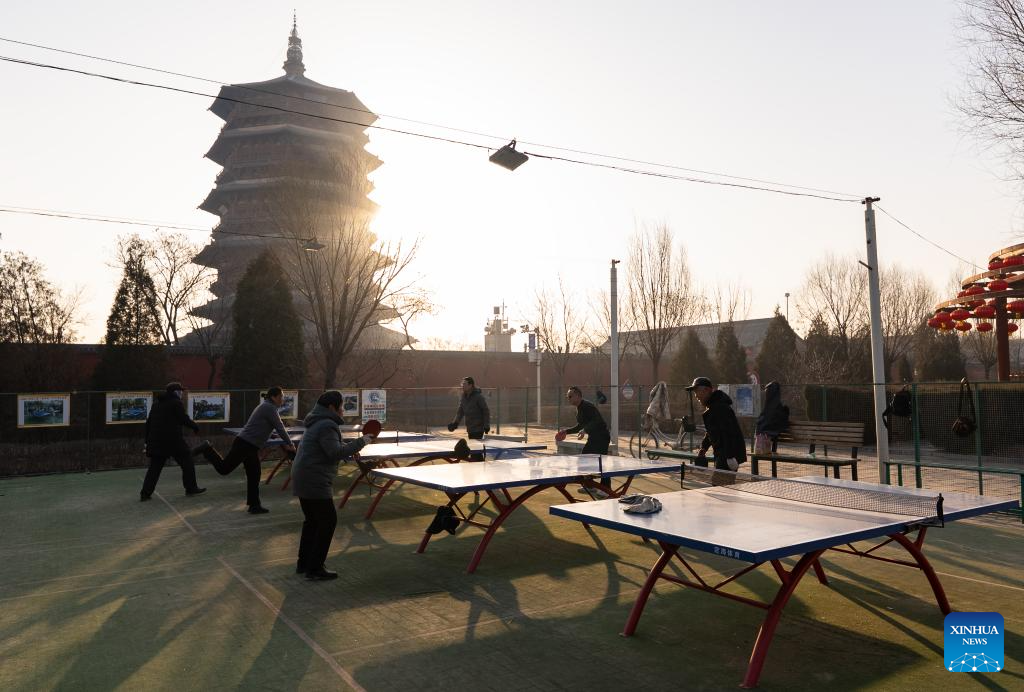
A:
[312,245]
[508,157]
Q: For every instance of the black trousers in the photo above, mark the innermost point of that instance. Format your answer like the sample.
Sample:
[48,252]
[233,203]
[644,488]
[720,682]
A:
[246,454]
[317,531]
[156,465]
[475,435]
[596,445]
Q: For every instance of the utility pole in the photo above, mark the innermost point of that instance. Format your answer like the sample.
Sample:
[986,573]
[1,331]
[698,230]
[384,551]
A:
[613,294]
[878,374]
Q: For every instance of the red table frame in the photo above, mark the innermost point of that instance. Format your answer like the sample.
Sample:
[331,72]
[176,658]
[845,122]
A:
[505,504]
[789,578]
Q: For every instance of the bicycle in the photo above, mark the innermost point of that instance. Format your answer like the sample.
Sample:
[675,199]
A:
[651,434]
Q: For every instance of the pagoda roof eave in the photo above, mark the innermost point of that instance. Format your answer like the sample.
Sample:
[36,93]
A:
[222,107]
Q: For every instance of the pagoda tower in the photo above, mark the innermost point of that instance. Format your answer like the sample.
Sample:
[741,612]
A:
[275,132]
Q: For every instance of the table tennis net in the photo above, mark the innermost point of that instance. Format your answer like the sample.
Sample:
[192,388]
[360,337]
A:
[862,499]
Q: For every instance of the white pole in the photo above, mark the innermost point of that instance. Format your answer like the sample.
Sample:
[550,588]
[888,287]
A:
[539,422]
[614,300]
[878,374]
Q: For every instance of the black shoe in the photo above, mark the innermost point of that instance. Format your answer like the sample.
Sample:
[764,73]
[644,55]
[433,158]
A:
[195,491]
[201,448]
[258,509]
[145,496]
[320,574]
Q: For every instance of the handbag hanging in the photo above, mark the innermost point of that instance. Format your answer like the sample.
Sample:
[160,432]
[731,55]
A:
[965,423]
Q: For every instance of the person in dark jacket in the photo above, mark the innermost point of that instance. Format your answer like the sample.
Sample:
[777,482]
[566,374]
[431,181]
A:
[723,431]
[589,422]
[313,472]
[164,439]
[245,448]
[472,406]
[774,416]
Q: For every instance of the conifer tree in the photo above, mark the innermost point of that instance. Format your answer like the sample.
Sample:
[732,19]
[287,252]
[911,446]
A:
[266,342]
[938,357]
[730,358]
[691,360]
[133,356]
[776,358]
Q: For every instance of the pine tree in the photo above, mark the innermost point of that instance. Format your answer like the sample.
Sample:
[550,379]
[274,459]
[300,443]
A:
[775,360]
[266,343]
[730,358]
[691,360]
[134,355]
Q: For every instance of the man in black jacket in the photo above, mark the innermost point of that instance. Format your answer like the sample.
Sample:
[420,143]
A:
[164,439]
[473,406]
[723,431]
[588,421]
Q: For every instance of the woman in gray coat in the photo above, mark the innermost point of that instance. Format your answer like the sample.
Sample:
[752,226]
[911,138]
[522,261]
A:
[313,472]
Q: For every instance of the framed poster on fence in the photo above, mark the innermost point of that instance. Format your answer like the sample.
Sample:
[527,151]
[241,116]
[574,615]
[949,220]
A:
[128,407]
[375,405]
[209,407]
[290,407]
[44,410]
[349,403]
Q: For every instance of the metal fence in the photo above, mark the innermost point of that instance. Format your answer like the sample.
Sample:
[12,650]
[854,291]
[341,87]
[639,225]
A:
[89,443]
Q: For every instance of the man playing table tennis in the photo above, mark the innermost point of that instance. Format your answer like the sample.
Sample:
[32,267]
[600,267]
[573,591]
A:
[723,431]
[473,406]
[589,421]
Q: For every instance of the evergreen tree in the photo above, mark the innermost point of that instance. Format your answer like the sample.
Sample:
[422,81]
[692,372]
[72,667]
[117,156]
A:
[691,360]
[134,356]
[730,358]
[778,351]
[824,357]
[266,343]
[938,357]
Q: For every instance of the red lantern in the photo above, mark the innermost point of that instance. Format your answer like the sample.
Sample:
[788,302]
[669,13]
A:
[1011,328]
[934,323]
[943,317]
[961,294]
[1013,261]
[960,314]
[984,326]
[963,326]
[997,285]
[975,304]
[985,312]
[974,290]
[995,264]
[1016,307]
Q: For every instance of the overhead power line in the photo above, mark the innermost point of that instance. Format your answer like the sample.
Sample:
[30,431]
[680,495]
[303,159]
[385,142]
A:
[502,139]
[927,240]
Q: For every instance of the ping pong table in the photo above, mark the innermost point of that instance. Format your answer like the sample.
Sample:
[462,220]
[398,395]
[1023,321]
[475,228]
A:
[763,521]
[532,475]
[417,453]
[295,433]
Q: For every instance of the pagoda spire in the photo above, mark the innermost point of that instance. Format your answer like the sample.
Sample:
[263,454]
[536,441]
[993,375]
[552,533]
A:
[293,66]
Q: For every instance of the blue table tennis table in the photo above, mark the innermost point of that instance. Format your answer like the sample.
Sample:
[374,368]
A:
[498,479]
[764,521]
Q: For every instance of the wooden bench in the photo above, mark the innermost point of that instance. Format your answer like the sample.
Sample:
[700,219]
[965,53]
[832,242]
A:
[816,434]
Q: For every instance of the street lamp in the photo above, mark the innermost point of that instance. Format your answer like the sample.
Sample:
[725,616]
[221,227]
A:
[787,307]
[312,245]
[508,157]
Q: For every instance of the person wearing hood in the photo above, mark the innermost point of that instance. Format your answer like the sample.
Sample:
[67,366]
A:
[774,416]
[472,406]
[723,432]
[313,473]
[164,440]
[245,448]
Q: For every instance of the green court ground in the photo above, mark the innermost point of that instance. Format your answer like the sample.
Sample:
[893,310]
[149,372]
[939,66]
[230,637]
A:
[101,592]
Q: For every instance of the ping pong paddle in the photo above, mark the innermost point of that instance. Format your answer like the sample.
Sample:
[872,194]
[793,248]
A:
[559,436]
[372,427]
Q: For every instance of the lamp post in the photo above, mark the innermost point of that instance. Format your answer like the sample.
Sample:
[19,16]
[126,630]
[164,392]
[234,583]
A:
[613,295]
[787,307]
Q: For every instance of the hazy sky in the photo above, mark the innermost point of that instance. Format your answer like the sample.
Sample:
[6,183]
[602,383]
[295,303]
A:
[853,97]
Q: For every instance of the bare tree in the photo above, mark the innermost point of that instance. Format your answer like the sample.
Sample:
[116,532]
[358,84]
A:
[981,346]
[836,289]
[209,335]
[561,325]
[663,297]
[177,280]
[33,310]
[993,100]
[907,298]
[730,304]
[601,319]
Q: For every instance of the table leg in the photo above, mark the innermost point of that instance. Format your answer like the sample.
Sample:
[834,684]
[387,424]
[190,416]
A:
[915,550]
[667,553]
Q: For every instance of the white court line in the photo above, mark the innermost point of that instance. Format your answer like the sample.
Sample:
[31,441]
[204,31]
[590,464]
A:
[183,519]
[981,581]
[317,649]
